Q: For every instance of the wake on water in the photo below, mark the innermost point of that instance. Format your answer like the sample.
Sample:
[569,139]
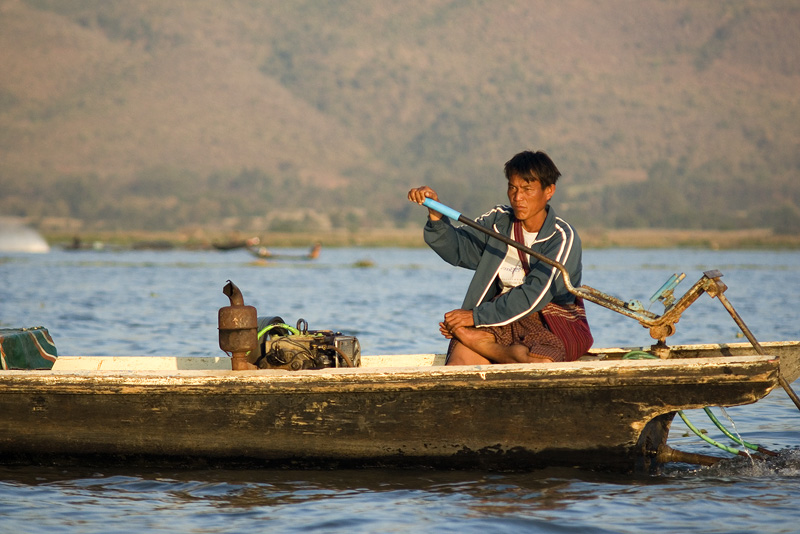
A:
[785,464]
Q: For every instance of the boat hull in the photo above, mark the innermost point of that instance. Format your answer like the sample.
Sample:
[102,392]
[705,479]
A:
[611,414]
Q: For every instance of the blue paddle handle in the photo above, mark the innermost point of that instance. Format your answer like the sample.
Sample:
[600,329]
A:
[441,208]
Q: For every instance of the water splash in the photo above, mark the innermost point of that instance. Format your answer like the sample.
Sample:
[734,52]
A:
[785,464]
[740,440]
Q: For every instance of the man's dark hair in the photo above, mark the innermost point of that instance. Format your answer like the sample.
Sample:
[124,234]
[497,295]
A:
[533,166]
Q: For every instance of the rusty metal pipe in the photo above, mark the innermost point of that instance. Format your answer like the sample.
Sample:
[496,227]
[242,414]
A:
[234,294]
[667,454]
[740,323]
[238,328]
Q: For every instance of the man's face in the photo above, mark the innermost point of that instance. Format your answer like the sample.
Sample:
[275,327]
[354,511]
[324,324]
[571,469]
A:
[529,199]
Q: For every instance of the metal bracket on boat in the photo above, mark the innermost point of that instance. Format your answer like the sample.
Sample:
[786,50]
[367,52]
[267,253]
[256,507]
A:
[660,326]
[665,293]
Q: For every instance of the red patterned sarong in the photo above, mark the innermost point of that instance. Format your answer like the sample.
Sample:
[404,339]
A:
[529,332]
[570,325]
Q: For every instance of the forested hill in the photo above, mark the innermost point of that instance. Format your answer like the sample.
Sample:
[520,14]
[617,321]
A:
[270,115]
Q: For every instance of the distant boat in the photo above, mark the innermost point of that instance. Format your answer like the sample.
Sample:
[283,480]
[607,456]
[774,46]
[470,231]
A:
[236,244]
[265,254]
[78,244]
[16,237]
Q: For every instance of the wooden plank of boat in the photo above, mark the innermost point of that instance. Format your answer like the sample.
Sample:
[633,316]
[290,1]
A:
[396,410]
[786,350]
[790,366]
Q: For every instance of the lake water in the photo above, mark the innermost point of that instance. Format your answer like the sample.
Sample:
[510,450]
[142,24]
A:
[166,303]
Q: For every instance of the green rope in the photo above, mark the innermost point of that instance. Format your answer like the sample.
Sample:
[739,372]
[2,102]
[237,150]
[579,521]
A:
[639,355]
[706,438]
[266,329]
[726,431]
[737,439]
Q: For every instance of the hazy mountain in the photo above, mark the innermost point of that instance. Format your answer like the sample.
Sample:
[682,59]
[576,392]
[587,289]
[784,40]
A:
[265,114]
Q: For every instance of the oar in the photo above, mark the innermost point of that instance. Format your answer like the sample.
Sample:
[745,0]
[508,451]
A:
[584,292]
[646,318]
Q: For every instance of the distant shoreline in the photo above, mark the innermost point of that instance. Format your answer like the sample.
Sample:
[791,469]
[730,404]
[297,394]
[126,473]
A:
[758,239]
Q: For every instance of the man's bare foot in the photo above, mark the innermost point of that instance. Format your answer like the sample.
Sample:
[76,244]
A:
[474,337]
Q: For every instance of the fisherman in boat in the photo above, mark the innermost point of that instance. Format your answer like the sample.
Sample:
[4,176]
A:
[517,309]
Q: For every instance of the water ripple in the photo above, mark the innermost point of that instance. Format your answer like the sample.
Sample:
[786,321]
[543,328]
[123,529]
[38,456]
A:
[167,302]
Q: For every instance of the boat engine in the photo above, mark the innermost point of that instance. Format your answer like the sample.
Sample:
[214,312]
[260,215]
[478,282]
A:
[294,348]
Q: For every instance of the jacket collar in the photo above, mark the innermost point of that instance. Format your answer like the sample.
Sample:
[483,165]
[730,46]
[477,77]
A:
[504,225]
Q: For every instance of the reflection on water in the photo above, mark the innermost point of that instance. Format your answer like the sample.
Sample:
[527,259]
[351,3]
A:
[400,501]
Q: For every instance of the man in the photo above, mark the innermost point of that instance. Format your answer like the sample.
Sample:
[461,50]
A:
[504,317]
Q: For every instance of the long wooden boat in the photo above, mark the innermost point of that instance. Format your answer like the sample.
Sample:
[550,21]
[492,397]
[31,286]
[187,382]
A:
[602,411]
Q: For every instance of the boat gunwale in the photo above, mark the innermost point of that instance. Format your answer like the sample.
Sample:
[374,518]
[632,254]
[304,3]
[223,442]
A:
[533,375]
